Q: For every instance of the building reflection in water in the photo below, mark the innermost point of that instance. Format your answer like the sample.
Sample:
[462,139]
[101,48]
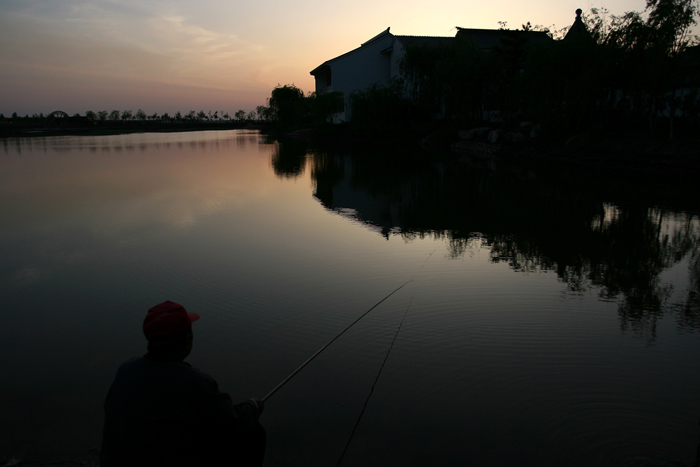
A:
[594,233]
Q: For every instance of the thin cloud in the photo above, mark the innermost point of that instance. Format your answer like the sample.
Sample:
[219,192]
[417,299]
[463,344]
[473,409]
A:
[112,40]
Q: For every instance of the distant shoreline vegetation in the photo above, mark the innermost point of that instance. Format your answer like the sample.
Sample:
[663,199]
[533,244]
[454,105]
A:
[127,121]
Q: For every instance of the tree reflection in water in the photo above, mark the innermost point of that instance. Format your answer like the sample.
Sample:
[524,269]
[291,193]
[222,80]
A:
[593,232]
[289,158]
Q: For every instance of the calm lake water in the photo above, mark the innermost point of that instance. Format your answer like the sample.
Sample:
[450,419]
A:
[549,320]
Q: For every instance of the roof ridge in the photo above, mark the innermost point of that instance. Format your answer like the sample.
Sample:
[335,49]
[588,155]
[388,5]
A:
[378,36]
[437,37]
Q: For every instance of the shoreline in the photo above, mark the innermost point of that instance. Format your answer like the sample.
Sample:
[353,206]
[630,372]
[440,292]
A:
[120,129]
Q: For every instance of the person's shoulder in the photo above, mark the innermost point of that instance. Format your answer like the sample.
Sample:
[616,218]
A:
[179,371]
[183,369]
[198,374]
[195,380]
[132,362]
[150,365]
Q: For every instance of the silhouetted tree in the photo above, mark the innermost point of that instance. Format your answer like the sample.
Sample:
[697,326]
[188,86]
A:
[379,108]
[287,105]
[262,112]
[670,23]
[324,106]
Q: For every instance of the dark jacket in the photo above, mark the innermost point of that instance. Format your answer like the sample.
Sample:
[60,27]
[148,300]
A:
[168,413]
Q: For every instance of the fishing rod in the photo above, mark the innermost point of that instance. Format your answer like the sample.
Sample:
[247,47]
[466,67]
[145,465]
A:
[329,343]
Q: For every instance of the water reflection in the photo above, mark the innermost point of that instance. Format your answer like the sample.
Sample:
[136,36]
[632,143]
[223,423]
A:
[68,200]
[289,158]
[93,236]
[131,142]
[592,237]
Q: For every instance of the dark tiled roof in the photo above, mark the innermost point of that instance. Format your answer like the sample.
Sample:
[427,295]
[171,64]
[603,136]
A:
[486,39]
[425,40]
[483,39]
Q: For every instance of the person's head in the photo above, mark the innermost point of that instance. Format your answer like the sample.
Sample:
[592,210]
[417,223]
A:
[168,329]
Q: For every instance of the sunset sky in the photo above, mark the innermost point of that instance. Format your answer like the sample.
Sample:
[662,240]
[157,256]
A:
[167,56]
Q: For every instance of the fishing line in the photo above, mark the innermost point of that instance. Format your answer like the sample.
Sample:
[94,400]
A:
[329,343]
[697,456]
[371,391]
[357,423]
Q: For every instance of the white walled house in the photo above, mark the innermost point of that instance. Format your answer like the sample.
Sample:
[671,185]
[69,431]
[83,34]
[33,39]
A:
[374,62]
[358,69]
[377,61]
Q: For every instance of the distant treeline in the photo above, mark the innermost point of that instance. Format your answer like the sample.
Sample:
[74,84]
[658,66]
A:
[129,116]
[116,121]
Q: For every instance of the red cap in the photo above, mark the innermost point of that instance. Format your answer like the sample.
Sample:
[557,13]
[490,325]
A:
[166,320]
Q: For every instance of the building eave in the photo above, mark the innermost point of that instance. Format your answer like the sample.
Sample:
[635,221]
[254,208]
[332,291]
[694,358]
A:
[328,63]
[377,37]
[321,69]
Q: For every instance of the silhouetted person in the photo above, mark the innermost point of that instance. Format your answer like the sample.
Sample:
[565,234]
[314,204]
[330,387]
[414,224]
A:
[162,412]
